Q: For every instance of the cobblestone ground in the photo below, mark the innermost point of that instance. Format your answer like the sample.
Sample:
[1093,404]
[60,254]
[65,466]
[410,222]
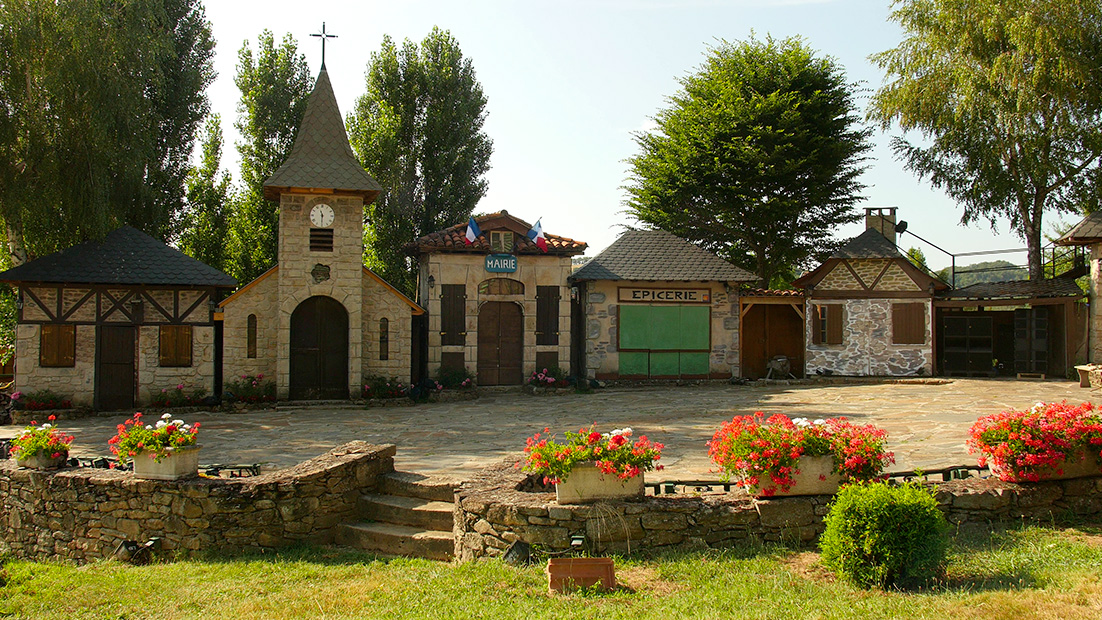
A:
[927,424]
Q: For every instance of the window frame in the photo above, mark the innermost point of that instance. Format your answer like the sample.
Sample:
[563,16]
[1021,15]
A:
[384,339]
[502,241]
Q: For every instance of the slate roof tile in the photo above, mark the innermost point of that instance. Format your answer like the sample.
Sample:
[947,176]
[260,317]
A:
[869,244]
[1017,289]
[656,255]
[1087,231]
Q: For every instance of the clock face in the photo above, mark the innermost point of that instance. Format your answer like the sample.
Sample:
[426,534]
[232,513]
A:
[321,216]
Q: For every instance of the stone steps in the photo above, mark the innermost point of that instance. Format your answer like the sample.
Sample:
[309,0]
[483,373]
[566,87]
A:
[394,539]
[409,515]
[413,511]
[409,484]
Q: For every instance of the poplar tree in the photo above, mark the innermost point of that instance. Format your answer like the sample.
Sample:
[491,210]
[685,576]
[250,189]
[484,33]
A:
[206,220]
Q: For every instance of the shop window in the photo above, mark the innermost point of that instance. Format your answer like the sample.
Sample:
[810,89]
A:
[453,314]
[57,346]
[175,345]
[250,337]
[547,315]
[828,324]
[501,241]
[909,323]
[501,286]
[384,339]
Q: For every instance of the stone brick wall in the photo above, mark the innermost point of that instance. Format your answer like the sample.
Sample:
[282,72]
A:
[380,302]
[78,383]
[867,348]
[262,299]
[601,338]
[152,377]
[83,514]
[491,514]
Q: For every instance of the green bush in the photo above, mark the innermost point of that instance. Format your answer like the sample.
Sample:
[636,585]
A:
[456,378]
[883,535]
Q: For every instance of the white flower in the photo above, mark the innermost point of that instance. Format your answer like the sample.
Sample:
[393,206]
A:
[166,416]
[148,427]
[186,427]
[178,422]
[801,422]
[161,424]
[820,422]
[46,426]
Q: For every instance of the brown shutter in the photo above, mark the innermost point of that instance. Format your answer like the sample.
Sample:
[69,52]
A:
[57,346]
[175,345]
[453,314]
[547,315]
[817,325]
[909,323]
[834,314]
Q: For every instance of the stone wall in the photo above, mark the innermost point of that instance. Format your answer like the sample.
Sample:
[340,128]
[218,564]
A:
[77,383]
[83,514]
[380,302]
[867,348]
[259,297]
[152,377]
[491,514]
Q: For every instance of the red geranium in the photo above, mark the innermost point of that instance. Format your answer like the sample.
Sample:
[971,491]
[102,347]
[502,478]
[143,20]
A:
[1033,444]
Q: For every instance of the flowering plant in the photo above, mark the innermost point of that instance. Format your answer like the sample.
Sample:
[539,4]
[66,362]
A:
[1030,445]
[157,440]
[553,377]
[612,453]
[381,387]
[45,439]
[251,389]
[765,453]
[39,400]
[177,397]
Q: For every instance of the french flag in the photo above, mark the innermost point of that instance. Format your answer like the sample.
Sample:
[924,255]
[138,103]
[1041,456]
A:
[536,235]
[473,231]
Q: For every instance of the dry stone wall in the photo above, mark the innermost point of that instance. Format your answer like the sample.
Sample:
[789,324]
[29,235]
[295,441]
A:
[76,383]
[867,348]
[83,514]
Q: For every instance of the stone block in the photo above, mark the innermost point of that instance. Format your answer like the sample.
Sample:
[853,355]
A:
[663,521]
[786,512]
[991,499]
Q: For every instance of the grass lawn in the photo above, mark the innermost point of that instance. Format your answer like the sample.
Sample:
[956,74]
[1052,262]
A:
[1013,574]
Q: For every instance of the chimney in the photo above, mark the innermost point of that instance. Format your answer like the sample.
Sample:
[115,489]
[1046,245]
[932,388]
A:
[882,220]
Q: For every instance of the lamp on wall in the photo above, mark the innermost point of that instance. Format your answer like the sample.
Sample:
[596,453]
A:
[432,283]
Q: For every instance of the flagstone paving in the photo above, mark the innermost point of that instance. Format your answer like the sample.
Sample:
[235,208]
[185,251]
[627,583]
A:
[927,424]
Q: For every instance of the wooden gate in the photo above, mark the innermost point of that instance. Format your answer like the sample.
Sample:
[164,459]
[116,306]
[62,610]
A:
[500,344]
[769,330]
[115,380]
[319,350]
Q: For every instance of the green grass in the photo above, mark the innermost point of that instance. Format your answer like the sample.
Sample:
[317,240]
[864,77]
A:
[1012,574]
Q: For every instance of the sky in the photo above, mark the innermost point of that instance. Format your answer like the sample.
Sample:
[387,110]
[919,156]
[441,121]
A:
[567,84]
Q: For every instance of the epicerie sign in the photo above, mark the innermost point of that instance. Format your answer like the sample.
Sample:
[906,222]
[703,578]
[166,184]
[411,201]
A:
[667,295]
[501,263]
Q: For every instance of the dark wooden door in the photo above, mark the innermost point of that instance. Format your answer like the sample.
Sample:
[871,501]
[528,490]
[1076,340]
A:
[769,330]
[500,344]
[319,350]
[115,380]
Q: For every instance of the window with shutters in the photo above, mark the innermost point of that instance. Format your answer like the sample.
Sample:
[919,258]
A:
[547,315]
[250,337]
[175,345]
[501,241]
[453,314]
[57,346]
[909,323]
[828,324]
[384,339]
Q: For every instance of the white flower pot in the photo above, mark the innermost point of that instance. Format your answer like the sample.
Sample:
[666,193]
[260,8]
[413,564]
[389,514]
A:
[42,461]
[587,484]
[176,464]
[815,478]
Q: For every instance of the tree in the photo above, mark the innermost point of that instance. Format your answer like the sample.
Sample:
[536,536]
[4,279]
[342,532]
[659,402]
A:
[206,221]
[275,85]
[757,158]
[418,131]
[1005,96]
[917,258]
[94,139]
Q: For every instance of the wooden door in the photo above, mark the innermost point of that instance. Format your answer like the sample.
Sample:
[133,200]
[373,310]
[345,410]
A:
[500,344]
[769,330]
[319,350]
[115,380]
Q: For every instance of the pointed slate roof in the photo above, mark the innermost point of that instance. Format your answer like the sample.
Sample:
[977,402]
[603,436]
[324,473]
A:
[126,256]
[869,244]
[656,255]
[322,158]
[1086,232]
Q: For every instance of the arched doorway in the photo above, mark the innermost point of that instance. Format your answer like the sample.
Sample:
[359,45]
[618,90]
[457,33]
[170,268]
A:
[500,343]
[319,350]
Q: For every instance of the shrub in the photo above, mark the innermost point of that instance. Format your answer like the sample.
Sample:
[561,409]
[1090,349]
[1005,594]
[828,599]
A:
[549,377]
[456,378]
[882,535]
[250,389]
[382,387]
[177,397]
[39,400]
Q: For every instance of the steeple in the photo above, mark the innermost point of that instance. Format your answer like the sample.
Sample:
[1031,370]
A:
[322,158]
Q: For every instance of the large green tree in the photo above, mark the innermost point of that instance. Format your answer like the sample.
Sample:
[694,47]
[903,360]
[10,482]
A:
[99,106]
[275,84]
[206,221]
[418,131]
[1005,95]
[757,158]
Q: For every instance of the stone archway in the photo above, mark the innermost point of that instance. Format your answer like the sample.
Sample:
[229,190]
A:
[319,350]
[500,343]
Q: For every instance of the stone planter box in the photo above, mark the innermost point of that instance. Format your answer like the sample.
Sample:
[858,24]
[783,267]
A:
[568,574]
[587,484]
[42,461]
[815,478]
[1077,467]
[178,463]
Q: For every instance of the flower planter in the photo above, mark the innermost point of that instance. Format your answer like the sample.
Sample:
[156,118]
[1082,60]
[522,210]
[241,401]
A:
[815,478]
[567,574]
[1076,467]
[177,463]
[587,484]
[42,461]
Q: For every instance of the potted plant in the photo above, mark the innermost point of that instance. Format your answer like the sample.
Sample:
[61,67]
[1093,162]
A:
[165,451]
[1048,441]
[590,466]
[41,447]
[782,456]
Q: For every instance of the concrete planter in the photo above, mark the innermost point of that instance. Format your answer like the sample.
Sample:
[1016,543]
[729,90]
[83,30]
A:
[1075,467]
[587,484]
[815,478]
[178,463]
[567,574]
[42,461]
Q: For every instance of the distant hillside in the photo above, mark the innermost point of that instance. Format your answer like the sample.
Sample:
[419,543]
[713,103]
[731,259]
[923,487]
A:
[1002,271]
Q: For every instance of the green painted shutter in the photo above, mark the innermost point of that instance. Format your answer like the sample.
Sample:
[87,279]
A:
[695,328]
[633,327]
[663,364]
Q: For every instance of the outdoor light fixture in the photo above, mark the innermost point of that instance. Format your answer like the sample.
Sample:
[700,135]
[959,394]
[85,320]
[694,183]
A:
[577,541]
[432,282]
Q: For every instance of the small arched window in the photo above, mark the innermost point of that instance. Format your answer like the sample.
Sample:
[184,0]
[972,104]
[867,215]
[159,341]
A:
[384,339]
[250,336]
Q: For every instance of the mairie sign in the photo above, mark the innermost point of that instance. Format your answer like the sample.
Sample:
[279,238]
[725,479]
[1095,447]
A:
[501,263]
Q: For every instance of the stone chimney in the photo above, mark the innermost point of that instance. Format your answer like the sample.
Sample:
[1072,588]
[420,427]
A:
[882,220]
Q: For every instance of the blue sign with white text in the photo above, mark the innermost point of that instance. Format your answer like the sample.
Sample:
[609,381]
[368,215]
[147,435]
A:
[501,263]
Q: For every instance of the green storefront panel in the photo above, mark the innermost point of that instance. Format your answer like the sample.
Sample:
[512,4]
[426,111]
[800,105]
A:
[634,364]
[695,328]
[694,363]
[663,339]
[634,332]
[665,328]
[665,364]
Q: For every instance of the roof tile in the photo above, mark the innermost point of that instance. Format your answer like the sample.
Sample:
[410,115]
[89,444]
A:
[656,255]
[453,238]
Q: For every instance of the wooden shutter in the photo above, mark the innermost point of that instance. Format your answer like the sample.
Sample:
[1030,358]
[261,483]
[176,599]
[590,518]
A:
[453,314]
[250,337]
[175,345]
[57,346]
[909,323]
[834,318]
[547,315]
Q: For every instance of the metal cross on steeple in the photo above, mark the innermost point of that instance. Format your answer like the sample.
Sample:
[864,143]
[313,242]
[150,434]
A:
[324,35]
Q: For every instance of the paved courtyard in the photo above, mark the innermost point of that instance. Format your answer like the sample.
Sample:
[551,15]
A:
[927,424]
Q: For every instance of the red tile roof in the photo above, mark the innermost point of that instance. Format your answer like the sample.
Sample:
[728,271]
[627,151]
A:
[453,239]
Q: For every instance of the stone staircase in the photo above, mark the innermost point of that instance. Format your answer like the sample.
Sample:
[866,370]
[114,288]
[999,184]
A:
[408,515]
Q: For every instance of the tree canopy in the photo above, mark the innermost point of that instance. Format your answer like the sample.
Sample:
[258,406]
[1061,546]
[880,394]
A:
[1005,96]
[206,220]
[757,158]
[418,131]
